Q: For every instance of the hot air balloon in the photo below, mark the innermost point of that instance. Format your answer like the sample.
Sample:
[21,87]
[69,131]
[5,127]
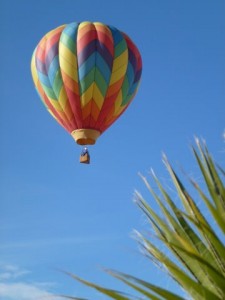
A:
[86,75]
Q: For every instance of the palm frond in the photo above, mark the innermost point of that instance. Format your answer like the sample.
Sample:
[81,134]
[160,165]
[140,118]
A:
[196,251]
[108,292]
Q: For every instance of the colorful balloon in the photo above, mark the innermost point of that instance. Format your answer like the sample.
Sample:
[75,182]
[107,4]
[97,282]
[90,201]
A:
[86,75]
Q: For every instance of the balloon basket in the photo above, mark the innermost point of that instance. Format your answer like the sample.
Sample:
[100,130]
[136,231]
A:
[85,159]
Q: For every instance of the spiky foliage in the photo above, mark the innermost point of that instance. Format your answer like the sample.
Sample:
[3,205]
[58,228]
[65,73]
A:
[195,256]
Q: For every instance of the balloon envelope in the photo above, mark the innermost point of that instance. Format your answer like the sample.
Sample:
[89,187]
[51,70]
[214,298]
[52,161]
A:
[86,75]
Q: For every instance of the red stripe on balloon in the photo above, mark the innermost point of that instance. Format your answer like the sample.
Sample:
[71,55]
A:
[104,38]
[84,40]
[74,101]
[52,41]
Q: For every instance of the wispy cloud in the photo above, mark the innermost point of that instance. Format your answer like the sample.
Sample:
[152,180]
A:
[8,272]
[24,291]
[58,241]
[14,287]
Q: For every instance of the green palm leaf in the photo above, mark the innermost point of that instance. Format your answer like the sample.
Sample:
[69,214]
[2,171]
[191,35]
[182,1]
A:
[196,257]
[145,287]
[108,292]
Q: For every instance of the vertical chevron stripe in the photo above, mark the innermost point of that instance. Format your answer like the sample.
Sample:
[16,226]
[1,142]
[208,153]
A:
[86,74]
[59,116]
[69,70]
[120,59]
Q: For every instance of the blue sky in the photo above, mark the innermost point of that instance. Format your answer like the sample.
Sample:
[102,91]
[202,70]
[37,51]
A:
[58,214]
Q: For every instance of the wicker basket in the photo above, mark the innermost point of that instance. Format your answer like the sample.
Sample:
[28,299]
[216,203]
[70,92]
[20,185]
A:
[85,159]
